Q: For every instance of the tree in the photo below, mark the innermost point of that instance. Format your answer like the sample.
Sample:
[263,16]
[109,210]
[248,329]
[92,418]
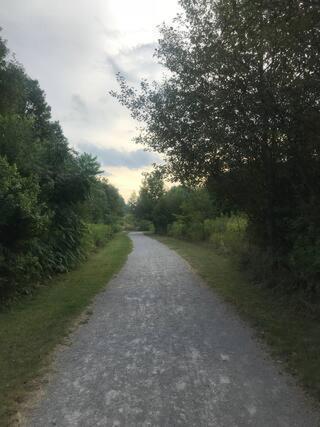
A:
[151,191]
[44,185]
[22,220]
[132,202]
[104,205]
[240,108]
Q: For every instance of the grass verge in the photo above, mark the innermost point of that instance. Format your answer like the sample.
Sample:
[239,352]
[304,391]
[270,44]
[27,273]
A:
[30,330]
[293,336]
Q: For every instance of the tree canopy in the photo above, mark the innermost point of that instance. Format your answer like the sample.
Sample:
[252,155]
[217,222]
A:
[239,111]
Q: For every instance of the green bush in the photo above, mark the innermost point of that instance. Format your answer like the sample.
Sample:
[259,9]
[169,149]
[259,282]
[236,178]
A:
[129,222]
[22,220]
[222,230]
[145,225]
[304,262]
[195,231]
[99,234]
[177,229]
[227,233]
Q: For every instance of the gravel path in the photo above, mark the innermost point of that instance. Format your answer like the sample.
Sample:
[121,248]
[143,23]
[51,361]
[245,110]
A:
[161,349]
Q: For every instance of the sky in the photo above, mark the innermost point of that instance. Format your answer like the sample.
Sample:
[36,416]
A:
[74,48]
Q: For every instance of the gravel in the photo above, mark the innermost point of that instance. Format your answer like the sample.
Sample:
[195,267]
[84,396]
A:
[161,349]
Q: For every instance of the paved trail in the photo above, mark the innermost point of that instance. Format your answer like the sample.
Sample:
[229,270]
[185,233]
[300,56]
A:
[162,350]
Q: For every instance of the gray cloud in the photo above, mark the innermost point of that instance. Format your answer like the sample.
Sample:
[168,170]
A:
[135,63]
[116,158]
[79,105]
[113,64]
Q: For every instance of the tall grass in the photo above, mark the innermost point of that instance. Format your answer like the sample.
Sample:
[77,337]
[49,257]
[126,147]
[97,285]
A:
[226,233]
[98,235]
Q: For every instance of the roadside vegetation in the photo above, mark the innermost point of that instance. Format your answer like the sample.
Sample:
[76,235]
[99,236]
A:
[32,327]
[48,191]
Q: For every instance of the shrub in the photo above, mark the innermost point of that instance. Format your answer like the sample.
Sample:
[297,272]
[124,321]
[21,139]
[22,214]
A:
[177,229]
[99,234]
[227,233]
[22,220]
[195,231]
[304,263]
[145,225]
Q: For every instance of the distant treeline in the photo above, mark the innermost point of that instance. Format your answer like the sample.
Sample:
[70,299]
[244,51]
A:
[185,213]
[239,113]
[47,190]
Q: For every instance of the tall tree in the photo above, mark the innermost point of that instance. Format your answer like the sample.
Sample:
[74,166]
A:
[151,191]
[241,109]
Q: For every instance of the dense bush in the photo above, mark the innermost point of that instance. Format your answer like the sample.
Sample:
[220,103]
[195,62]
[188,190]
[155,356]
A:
[178,229]
[97,235]
[104,204]
[227,233]
[145,225]
[194,231]
[186,213]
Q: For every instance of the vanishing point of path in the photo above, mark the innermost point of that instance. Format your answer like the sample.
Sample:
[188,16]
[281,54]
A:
[161,349]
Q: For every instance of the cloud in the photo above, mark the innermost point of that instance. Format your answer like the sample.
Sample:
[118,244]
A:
[127,180]
[135,62]
[78,104]
[113,64]
[116,158]
[75,48]
[79,108]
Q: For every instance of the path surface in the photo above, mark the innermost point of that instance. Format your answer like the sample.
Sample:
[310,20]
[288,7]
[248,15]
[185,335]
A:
[162,350]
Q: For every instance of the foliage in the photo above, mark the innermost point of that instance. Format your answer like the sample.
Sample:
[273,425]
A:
[104,204]
[151,191]
[44,187]
[129,222]
[21,222]
[180,211]
[160,207]
[239,110]
[168,208]
[97,235]
[177,229]
[145,225]
[227,233]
